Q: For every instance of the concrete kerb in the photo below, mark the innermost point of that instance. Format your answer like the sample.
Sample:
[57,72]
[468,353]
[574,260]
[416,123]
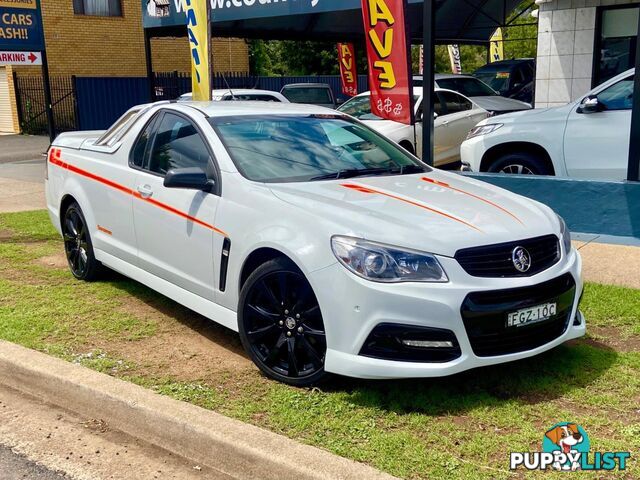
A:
[202,436]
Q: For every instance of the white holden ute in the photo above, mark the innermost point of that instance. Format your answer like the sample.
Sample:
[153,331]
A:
[327,247]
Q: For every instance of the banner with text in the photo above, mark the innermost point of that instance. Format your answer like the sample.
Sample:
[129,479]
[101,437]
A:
[198,33]
[454,58]
[348,70]
[21,25]
[388,56]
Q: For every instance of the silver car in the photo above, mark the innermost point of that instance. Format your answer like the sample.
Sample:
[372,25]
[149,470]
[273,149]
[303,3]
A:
[477,91]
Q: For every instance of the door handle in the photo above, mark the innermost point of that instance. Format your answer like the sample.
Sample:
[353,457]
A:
[145,191]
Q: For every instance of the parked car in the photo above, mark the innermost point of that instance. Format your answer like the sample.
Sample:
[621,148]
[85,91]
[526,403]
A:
[588,138]
[456,114]
[328,247]
[477,91]
[310,93]
[510,78]
[241,95]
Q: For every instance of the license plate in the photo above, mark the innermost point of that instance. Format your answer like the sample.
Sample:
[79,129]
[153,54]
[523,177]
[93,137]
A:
[526,316]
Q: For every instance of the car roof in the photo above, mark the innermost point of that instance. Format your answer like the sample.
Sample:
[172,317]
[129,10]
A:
[230,109]
[442,76]
[302,85]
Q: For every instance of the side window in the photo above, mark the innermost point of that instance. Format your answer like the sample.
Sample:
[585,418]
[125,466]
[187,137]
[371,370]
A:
[140,147]
[455,103]
[618,96]
[437,106]
[177,145]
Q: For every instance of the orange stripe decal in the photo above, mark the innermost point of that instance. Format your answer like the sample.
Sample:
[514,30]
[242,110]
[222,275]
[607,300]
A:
[55,159]
[455,189]
[105,230]
[364,189]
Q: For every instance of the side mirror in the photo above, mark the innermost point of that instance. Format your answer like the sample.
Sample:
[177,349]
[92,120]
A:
[188,178]
[419,115]
[590,104]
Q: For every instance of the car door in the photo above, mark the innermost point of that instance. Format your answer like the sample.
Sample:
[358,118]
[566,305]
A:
[460,117]
[596,145]
[174,227]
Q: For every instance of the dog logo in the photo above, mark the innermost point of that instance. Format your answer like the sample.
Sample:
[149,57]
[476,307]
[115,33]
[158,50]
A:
[566,447]
[521,259]
[568,438]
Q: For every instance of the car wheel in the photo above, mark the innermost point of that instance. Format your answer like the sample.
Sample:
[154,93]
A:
[281,325]
[522,163]
[77,245]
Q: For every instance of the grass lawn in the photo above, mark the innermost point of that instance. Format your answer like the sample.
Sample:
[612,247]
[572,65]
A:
[462,427]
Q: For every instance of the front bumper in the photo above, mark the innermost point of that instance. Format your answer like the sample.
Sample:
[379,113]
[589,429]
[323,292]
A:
[472,151]
[353,307]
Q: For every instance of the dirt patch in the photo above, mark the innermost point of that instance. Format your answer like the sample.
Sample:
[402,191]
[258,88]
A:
[55,261]
[612,337]
[184,355]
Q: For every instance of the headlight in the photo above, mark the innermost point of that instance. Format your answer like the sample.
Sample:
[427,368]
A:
[383,263]
[483,130]
[566,235]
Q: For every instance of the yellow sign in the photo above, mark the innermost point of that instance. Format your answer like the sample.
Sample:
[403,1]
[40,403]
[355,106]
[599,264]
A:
[497,50]
[30,4]
[198,33]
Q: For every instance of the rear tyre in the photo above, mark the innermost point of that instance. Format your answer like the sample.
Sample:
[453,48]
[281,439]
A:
[77,245]
[408,147]
[523,163]
[281,325]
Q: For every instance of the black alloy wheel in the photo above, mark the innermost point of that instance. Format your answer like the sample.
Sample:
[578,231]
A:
[77,245]
[281,325]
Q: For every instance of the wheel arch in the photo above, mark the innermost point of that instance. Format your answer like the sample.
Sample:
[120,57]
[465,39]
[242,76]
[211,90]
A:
[407,145]
[66,201]
[260,256]
[496,151]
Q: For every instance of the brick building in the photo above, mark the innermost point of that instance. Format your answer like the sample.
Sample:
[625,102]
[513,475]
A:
[106,38]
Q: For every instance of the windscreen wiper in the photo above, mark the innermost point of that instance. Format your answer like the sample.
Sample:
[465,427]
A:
[363,172]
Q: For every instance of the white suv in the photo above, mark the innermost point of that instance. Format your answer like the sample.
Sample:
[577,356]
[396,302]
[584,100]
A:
[588,138]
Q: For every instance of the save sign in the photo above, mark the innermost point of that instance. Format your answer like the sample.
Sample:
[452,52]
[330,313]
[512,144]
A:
[387,52]
[348,71]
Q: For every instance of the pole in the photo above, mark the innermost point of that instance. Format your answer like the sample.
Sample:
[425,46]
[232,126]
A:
[149,61]
[633,171]
[428,76]
[210,51]
[48,104]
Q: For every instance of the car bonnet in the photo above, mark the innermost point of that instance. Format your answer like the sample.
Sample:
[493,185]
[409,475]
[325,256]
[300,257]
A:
[434,211]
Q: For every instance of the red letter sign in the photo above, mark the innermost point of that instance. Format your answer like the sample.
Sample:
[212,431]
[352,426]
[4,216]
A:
[389,74]
[348,71]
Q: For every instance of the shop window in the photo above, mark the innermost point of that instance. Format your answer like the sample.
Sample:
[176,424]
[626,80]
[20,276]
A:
[618,28]
[98,8]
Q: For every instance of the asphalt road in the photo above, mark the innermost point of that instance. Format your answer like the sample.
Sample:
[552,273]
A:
[15,467]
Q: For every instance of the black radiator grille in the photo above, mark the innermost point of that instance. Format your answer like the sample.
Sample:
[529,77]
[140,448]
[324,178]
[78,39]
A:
[496,260]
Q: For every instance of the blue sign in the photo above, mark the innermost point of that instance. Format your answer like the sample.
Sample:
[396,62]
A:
[169,13]
[21,25]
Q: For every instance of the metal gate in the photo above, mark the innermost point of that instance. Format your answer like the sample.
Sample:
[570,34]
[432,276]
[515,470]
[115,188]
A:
[31,104]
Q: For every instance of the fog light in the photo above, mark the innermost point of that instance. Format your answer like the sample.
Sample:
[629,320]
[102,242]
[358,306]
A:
[427,344]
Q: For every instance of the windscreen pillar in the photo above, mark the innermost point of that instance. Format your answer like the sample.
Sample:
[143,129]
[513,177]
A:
[633,172]
[428,47]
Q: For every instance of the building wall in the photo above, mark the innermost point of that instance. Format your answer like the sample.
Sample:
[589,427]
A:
[114,46]
[566,36]
[566,39]
[229,55]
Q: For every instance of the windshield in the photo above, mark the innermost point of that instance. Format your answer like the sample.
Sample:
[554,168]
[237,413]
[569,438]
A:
[360,107]
[293,148]
[312,95]
[468,86]
[498,80]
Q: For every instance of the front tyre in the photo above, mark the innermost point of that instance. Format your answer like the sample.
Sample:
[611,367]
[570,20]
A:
[281,325]
[77,245]
[521,163]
